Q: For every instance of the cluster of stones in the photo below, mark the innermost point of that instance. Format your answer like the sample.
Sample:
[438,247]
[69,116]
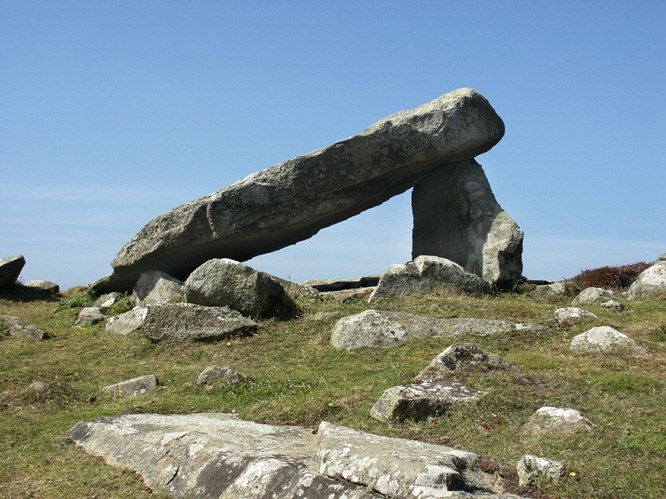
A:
[10,270]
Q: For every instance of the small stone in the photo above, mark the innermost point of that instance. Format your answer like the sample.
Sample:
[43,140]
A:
[128,322]
[40,387]
[18,327]
[134,387]
[107,300]
[550,291]
[327,316]
[604,339]
[553,420]
[461,356]
[89,316]
[46,286]
[532,470]
[613,305]
[592,295]
[571,315]
[214,375]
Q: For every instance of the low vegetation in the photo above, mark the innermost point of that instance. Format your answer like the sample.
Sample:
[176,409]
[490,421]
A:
[298,378]
[619,277]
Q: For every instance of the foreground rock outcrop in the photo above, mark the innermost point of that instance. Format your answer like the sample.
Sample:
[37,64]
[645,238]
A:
[456,216]
[217,455]
[292,201]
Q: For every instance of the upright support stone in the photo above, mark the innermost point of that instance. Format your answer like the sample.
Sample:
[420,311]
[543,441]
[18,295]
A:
[456,216]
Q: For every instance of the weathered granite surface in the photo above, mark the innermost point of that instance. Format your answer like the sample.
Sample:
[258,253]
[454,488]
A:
[10,269]
[19,328]
[292,201]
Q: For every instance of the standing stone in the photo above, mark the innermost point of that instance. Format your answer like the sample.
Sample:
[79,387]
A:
[456,216]
[10,269]
[292,201]
[225,282]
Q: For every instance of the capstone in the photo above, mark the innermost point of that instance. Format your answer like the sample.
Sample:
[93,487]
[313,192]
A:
[10,269]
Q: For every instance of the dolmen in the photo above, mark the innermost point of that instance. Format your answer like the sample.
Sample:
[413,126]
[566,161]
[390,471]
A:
[431,148]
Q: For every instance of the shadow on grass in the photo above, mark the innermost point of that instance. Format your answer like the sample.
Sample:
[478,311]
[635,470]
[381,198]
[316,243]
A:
[20,293]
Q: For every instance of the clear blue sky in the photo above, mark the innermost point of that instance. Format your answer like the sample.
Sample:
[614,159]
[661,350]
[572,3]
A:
[113,112]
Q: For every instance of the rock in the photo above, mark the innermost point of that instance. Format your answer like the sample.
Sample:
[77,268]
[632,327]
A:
[128,322]
[294,290]
[134,387]
[613,305]
[10,269]
[46,286]
[89,316]
[661,258]
[651,283]
[553,420]
[426,274]
[347,295]
[292,201]
[457,217]
[533,470]
[108,300]
[186,321]
[156,288]
[40,387]
[550,291]
[418,402]
[460,356]
[216,375]
[225,282]
[604,339]
[382,328]
[217,455]
[325,285]
[592,295]
[570,315]
[327,316]
[21,329]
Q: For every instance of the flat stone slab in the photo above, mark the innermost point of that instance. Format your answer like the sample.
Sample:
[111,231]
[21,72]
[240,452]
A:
[381,328]
[418,402]
[134,387]
[217,455]
[46,286]
[21,329]
[292,201]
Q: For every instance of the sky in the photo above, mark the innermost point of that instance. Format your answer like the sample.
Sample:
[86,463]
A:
[114,112]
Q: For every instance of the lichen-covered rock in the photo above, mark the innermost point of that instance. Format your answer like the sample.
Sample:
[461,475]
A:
[89,316]
[418,402]
[613,305]
[10,269]
[604,339]
[456,216]
[592,295]
[461,356]
[108,300]
[19,328]
[128,322]
[40,387]
[550,291]
[554,420]
[426,274]
[156,288]
[175,322]
[216,375]
[571,315]
[225,282]
[46,286]
[533,470]
[292,201]
[382,328]
[134,387]
[651,283]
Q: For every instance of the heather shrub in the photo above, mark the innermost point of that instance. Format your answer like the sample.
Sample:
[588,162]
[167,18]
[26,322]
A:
[619,277]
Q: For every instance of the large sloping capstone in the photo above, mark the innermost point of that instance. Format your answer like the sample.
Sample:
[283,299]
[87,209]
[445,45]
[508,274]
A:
[10,269]
[217,455]
[456,216]
[292,201]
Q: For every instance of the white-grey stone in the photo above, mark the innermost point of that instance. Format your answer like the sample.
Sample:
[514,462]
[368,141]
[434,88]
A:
[571,315]
[40,387]
[226,282]
[456,216]
[426,274]
[292,201]
[613,305]
[19,328]
[592,295]
[347,295]
[10,269]
[47,286]
[555,420]
[134,387]
[549,291]
[175,322]
[128,322]
[533,470]
[604,339]
[216,375]
[418,402]
[89,316]
[108,300]
[217,455]
[651,283]
[460,356]
[156,288]
[382,328]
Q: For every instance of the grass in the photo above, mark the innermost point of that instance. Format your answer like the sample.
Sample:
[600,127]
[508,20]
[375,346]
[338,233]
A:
[296,377]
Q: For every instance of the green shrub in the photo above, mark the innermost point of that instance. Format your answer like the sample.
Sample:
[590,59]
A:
[620,277]
[79,301]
